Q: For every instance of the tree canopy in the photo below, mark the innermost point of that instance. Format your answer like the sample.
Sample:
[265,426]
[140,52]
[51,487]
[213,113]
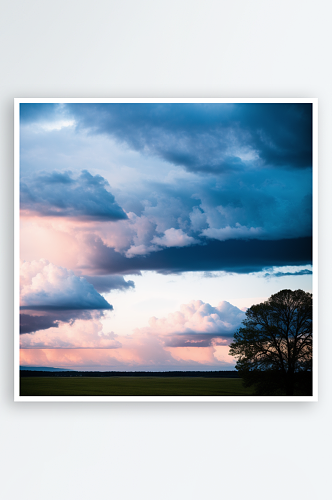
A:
[274,346]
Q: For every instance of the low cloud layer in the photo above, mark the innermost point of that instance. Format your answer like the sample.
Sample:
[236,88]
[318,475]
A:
[62,194]
[31,320]
[231,256]
[194,337]
[196,324]
[140,357]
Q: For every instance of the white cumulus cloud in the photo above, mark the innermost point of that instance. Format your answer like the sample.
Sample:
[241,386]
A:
[46,286]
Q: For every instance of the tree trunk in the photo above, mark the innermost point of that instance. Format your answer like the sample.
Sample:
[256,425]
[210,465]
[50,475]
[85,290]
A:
[289,384]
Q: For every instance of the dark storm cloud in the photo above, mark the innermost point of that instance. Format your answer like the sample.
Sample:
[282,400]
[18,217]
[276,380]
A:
[280,205]
[32,323]
[60,194]
[238,256]
[104,284]
[258,187]
[29,324]
[208,137]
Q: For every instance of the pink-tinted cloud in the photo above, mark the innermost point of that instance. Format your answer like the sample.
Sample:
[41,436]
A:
[82,333]
[83,345]
[53,239]
[197,324]
[142,356]
[193,336]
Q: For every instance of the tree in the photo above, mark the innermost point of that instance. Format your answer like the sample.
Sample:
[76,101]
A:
[274,346]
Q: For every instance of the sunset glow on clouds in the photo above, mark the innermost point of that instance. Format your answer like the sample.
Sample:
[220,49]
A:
[119,201]
[197,324]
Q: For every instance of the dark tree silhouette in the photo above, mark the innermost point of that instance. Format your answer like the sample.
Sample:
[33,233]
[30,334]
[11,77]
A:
[274,346]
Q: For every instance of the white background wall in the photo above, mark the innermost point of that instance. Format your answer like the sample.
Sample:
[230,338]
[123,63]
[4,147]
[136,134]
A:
[184,48]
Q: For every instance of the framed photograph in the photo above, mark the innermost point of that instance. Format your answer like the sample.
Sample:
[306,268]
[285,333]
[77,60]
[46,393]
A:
[166,250]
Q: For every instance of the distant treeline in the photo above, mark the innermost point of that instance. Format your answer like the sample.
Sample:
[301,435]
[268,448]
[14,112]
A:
[210,374]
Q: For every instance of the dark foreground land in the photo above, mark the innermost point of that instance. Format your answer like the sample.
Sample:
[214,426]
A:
[125,385]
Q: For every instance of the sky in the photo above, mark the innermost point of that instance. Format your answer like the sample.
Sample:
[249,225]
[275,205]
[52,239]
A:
[147,230]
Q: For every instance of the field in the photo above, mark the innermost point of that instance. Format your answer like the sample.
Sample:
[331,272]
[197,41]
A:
[132,386]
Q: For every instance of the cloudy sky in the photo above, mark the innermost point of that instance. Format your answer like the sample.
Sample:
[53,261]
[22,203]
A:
[148,229]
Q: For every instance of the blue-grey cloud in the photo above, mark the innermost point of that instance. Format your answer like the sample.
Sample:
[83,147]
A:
[258,188]
[239,256]
[241,146]
[247,206]
[279,274]
[104,284]
[257,205]
[62,194]
[208,137]
[30,323]
[35,112]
